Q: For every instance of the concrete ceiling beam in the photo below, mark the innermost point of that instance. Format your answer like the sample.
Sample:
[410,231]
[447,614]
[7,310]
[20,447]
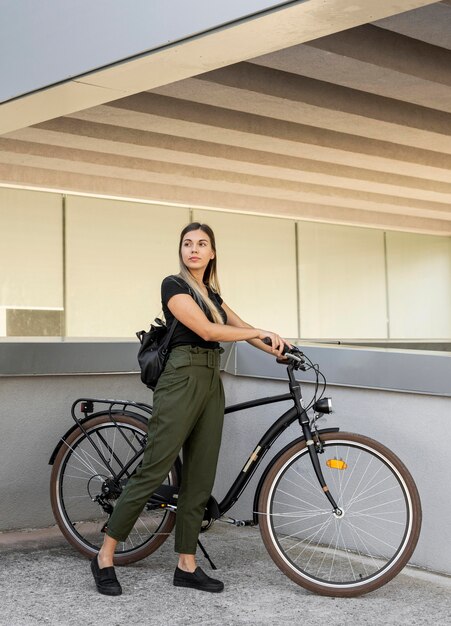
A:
[290,97]
[69,181]
[152,112]
[354,73]
[113,140]
[430,24]
[392,51]
[127,169]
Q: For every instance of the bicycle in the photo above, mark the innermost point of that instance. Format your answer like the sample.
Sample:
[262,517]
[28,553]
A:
[338,512]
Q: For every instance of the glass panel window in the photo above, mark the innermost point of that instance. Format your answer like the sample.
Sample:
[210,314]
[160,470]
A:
[341,282]
[31,263]
[117,254]
[419,285]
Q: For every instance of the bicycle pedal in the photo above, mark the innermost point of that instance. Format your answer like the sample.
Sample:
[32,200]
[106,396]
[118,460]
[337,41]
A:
[239,522]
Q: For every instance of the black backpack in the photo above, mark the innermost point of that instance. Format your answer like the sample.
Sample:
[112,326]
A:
[154,351]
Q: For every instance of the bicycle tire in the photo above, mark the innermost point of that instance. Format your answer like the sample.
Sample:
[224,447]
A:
[78,475]
[361,550]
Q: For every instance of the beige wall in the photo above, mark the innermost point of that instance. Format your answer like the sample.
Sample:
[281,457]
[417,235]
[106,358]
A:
[31,249]
[341,281]
[419,285]
[117,255]
[2,322]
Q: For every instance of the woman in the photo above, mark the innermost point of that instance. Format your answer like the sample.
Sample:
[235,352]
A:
[190,380]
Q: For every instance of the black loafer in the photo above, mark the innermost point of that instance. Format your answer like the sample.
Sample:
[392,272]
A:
[106,581]
[197,580]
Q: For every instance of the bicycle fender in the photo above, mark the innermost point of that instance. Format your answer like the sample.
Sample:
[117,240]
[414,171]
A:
[273,460]
[139,417]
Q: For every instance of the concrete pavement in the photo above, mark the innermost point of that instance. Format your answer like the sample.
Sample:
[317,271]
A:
[44,581]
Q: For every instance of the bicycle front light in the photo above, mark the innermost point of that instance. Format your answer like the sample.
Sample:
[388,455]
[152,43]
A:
[324,405]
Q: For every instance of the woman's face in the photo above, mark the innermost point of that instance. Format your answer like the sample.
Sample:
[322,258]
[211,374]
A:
[196,250]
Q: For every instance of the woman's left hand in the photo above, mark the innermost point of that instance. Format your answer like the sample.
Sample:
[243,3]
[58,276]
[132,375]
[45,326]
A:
[277,343]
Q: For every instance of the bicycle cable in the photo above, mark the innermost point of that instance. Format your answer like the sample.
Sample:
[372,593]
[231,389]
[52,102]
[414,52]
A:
[318,373]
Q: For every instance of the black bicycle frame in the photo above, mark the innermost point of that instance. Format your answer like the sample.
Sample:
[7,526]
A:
[297,412]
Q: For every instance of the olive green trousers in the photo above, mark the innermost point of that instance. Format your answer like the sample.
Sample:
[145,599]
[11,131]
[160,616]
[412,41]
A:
[188,413]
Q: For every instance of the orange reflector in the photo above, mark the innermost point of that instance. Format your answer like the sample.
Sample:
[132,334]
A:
[336,464]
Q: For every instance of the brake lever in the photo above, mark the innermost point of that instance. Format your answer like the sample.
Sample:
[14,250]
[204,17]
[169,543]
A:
[295,357]
[299,360]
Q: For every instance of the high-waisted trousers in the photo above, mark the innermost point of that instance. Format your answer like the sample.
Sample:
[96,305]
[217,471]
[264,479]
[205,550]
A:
[188,413]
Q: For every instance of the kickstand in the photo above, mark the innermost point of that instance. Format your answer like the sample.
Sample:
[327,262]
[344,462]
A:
[213,566]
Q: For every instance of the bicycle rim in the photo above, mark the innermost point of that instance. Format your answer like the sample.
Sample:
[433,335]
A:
[361,549]
[79,476]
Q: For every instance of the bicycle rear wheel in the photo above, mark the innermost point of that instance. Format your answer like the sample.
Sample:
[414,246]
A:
[79,476]
[368,544]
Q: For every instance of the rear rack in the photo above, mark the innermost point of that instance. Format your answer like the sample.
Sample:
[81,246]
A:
[89,406]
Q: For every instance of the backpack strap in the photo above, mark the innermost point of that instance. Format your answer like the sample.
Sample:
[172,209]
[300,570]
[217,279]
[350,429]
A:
[167,339]
[140,334]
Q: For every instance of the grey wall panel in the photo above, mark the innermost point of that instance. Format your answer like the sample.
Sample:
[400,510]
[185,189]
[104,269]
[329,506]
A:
[404,370]
[35,413]
[66,357]
[400,370]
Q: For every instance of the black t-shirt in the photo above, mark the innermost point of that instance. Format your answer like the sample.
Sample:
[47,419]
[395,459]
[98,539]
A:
[183,335]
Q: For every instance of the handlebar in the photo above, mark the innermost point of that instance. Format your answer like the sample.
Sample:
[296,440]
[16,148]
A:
[299,361]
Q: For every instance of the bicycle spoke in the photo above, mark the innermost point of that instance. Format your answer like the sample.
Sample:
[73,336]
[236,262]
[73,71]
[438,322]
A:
[313,484]
[85,463]
[300,499]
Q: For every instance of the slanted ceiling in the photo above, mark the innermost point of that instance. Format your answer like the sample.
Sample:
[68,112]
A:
[352,128]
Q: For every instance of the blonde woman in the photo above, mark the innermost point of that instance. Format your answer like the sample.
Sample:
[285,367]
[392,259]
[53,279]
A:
[188,410]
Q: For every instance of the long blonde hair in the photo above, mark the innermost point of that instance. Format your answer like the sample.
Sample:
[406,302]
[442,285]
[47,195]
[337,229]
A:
[210,278]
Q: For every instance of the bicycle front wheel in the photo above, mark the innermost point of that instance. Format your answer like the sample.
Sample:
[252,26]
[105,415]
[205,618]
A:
[345,555]
[81,482]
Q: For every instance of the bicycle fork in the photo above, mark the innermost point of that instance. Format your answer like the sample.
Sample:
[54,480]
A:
[304,421]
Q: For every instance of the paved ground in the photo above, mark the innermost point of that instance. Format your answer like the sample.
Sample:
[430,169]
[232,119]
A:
[44,581]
